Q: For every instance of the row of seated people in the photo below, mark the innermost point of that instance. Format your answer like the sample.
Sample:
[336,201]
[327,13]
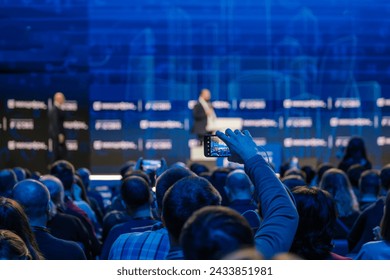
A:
[190,213]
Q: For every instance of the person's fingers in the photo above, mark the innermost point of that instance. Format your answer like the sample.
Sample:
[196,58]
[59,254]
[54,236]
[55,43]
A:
[229,132]
[237,132]
[221,135]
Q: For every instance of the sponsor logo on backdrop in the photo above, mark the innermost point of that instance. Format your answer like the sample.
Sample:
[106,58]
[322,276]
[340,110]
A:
[114,145]
[108,124]
[145,124]
[312,142]
[299,122]
[158,106]
[70,106]
[335,122]
[34,145]
[21,124]
[347,103]
[260,123]
[26,104]
[75,125]
[218,104]
[382,102]
[113,106]
[385,121]
[252,104]
[309,104]
[158,144]
[342,141]
[72,145]
[383,141]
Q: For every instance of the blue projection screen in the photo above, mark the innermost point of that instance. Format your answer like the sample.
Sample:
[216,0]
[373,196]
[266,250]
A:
[304,76]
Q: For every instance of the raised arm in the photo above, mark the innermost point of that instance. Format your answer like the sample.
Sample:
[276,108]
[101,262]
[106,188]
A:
[280,217]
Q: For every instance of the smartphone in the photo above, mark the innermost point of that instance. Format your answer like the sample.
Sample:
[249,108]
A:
[215,147]
[151,164]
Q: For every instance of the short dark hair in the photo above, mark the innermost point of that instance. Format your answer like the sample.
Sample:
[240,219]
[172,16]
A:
[8,180]
[369,182]
[135,192]
[213,232]
[138,173]
[64,171]
[167,179]
[317,217]
[184,198]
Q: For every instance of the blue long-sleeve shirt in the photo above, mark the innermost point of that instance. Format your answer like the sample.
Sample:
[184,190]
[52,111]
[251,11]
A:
[280,217]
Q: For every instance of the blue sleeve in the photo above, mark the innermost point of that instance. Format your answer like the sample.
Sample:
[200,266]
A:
[280,216]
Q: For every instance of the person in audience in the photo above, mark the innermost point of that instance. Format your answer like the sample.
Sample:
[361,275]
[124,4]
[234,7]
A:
[180,201]
[94,197]
[61,225]
[8,180]
[81,200]
[336,182]
[239,190]
[65,171]
[317,219]
[218,179]
[292,181]
[380,249]
[20,173]
[354,153]
[137,196]
[369,188]
[321,169]
[12,247]
[153,244]
[13,218]
[280,217]
[198,168]
[310,174]
[117,208]
[362,230]
[35,199]
[354,172]
[213,232]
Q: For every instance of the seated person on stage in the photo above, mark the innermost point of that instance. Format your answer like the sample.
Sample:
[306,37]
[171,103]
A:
[370,217]
[61,225]
[35,199]
[280,218]
[153,244]
[137,196]
[239,190]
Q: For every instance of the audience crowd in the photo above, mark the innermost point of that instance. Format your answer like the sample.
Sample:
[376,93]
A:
[245,211]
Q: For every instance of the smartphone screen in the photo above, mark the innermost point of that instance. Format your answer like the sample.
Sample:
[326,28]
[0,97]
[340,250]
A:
[215,147]
[150,164]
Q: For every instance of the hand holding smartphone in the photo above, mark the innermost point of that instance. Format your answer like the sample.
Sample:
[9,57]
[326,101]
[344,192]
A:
[215,147]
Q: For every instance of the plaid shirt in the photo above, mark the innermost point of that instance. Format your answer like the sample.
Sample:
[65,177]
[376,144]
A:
[148,245]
